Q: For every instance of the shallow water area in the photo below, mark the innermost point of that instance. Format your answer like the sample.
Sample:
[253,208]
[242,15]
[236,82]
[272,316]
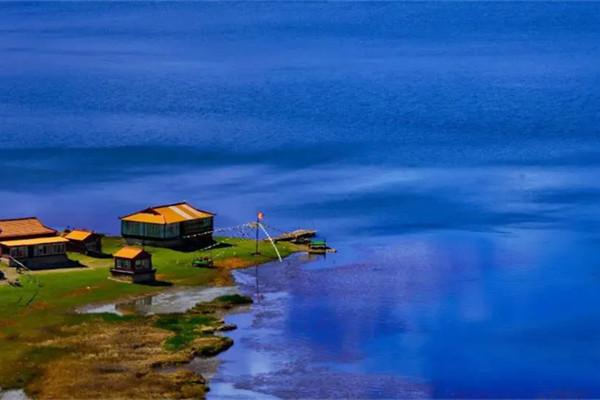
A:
[177,300]
[13,395]
[386,320]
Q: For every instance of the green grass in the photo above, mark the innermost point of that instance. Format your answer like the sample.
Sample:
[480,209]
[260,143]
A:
[34,312]
[50,292]
[29,366]
[234,299]
[185,328]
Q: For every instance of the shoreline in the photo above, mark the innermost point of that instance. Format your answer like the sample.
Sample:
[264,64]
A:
[69,334]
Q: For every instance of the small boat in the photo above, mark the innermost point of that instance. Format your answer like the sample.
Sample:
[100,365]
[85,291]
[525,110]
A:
[317,246]
[203,262]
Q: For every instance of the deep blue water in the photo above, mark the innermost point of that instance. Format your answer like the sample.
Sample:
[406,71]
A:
[449,150]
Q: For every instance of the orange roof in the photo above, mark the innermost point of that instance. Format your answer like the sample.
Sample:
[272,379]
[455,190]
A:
[30,242]
[128,252]
[78,234]
[23,227]
[168,214]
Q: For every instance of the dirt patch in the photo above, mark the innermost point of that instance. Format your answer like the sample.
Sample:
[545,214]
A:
[233,263]
[223,277]
[115,361]
[10,275]
[40,305]
[80,292]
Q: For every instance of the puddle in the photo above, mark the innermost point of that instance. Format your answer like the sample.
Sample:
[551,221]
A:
[13,395]
[172,301]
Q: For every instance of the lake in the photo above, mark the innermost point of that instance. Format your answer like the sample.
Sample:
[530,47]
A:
[448,150]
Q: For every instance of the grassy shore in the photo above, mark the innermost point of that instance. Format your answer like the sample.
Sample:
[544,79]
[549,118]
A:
[42,309]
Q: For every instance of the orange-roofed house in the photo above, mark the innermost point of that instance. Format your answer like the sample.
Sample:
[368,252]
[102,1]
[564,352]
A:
[133,264]
[28,242]
[171,225]
[24,228]
[84,241]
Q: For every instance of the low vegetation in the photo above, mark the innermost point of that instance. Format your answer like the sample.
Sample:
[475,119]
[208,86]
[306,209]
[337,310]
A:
[39,330]
[184,327]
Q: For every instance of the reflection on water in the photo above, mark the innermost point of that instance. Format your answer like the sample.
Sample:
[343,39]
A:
[228,391]
[171,301]
[439,314]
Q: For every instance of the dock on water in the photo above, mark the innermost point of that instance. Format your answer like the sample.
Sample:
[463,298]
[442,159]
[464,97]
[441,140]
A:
[300,236]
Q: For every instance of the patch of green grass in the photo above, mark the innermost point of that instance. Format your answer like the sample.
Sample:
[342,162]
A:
[115,318]
[235,299]
[185,328]
[28,367]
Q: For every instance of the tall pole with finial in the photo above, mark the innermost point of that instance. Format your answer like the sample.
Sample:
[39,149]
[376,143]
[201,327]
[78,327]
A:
[259,217]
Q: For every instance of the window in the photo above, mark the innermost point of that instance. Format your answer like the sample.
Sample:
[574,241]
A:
[172,230]
[142,264]
[123,264]
[18,252]
[131,228]
[40,250]
[154,230]
[49,249]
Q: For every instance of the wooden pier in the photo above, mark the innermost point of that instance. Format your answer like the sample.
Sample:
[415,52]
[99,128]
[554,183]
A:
[298,236]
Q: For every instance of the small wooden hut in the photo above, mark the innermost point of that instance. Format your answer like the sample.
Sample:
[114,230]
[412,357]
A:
[84,241]
[133,264]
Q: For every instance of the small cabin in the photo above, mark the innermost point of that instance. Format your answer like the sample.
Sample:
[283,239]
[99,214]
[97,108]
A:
[172,225]
[84,241]
[27,242]
[133,264]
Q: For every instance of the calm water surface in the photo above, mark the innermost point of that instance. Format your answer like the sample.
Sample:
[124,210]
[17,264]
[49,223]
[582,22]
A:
[449,151]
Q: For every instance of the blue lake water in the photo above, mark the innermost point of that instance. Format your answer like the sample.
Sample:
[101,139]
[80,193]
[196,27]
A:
[449,150]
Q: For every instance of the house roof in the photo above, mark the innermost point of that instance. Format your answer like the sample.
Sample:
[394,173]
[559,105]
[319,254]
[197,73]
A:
[79,235]
[23,227]
[31,242]
[168,214]
[129,252]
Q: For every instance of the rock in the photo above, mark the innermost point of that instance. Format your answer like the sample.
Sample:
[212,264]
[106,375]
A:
[211,346]
[208,330]
[226,327]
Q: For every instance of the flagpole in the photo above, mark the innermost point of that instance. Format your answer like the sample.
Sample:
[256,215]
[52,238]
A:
[257,222]
[259,217]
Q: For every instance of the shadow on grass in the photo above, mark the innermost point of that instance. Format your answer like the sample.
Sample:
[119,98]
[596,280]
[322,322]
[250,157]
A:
[193,247]
[156,283]
[222,245]
[94,254]
[66,265]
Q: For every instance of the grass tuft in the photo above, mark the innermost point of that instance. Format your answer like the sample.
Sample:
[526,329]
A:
[185,327]
[234,299]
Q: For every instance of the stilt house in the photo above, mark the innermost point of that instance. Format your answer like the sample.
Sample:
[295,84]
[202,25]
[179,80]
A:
[172,225]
